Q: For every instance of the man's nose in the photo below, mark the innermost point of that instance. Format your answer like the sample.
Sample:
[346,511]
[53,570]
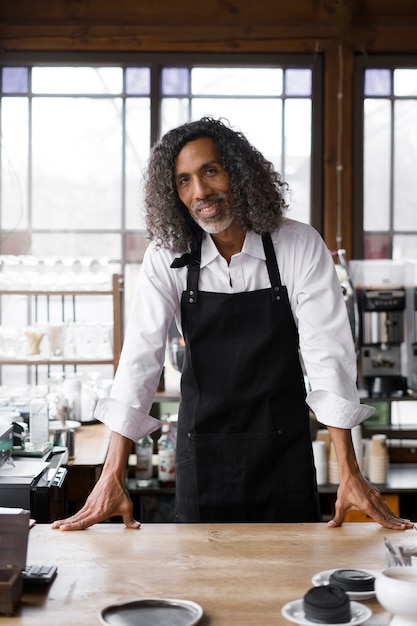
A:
[201,188]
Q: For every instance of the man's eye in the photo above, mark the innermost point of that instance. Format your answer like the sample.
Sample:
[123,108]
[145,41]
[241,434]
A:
[182,181]
[212,171]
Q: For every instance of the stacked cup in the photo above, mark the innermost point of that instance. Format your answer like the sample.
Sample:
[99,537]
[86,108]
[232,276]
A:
[378,460]
[324,435]
[334,477]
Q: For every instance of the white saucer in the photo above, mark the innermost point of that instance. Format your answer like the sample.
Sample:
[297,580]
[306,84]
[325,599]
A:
[69,425]
[322,578]
[294,612]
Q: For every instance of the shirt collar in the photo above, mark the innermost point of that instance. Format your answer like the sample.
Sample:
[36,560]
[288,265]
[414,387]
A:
[252,246]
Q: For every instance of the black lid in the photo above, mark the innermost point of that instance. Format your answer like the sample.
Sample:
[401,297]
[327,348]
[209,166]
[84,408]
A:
[353,580]
[327,604]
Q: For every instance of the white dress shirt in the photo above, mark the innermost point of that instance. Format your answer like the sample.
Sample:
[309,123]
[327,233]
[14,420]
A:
[307,270]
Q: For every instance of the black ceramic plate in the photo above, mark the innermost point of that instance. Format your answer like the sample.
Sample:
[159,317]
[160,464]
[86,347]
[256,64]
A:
[152,611]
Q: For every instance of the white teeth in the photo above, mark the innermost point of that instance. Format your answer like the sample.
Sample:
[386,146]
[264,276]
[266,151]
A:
[207,209]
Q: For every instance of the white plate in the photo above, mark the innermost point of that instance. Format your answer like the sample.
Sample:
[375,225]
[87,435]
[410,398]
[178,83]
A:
[155,611]
[69,424]
[322,578]
[294,612]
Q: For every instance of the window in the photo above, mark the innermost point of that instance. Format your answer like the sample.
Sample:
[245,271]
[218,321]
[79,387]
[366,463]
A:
[76,132]
[76,135]
[385,190]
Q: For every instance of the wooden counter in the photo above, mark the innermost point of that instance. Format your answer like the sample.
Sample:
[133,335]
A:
[241,574]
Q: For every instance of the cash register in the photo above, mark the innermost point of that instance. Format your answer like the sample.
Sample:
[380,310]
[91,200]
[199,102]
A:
[34,481]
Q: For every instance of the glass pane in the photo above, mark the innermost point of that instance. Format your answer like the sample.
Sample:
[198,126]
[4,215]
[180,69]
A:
[238,81]
[138,81]
[135,246]
[77,244]
[77,161]
[404,247]
[175,81]
[15,242]
[405,158]
[14,164]
[174,112]
[377,246]
[298,82]
[404,414]
[77,80]
[297,157]
[15,80]
[377,174]
[377,82]
[137,152]
[259,120]
[405,82]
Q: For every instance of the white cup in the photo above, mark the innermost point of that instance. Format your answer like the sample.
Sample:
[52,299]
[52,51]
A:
[320,461]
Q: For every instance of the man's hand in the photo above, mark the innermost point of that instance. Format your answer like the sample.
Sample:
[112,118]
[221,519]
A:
[108,498]
[356,493]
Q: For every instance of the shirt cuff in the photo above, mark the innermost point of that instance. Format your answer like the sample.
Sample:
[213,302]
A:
[125,419]
[333,410]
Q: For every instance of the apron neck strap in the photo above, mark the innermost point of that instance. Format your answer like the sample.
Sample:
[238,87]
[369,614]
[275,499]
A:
[271,263]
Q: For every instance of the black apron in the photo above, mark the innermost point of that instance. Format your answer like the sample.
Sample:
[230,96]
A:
[244,450]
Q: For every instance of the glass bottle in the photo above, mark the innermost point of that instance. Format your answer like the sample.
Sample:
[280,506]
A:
[144,450]
[38,423]
[166,457]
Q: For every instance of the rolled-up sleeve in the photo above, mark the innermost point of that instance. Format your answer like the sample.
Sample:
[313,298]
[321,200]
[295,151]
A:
[125,419]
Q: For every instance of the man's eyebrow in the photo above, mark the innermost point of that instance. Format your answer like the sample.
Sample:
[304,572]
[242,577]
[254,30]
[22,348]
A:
[201,168]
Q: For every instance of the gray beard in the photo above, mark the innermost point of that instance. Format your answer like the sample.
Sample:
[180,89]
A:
[217,225]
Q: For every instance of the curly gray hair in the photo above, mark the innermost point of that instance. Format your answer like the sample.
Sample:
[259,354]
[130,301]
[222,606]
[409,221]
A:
[256,187]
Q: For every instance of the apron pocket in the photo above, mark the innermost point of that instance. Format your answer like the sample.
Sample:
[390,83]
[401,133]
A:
[237,476]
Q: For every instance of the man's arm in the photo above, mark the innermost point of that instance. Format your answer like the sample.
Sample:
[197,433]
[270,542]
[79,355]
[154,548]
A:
[355,492]
[109,496]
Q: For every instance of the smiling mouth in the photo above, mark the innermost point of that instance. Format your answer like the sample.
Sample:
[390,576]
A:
[208,208]
[209,211]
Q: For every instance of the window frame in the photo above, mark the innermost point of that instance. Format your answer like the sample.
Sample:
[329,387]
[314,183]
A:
[157,61]
[361,64]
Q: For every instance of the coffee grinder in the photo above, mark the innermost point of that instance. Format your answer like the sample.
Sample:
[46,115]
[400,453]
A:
[382,318]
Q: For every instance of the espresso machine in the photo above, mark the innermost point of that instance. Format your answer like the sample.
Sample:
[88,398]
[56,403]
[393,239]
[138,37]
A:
[382,337]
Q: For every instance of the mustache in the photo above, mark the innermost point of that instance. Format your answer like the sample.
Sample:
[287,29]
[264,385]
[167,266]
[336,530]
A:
[211,198]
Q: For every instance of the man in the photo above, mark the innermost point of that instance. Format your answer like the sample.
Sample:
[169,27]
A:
[247,287]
